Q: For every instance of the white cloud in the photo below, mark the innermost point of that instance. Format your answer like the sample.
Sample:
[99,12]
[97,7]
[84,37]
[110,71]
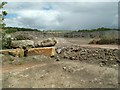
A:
[61,0]
[82,15]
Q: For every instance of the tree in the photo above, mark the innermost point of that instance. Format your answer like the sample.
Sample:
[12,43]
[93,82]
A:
[5,39]
[2,15]
[2,4]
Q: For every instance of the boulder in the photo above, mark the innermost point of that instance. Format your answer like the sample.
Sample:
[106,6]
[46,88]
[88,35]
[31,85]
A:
[30,43]
[37,43]
[22,43]
[48,42]
[17,52]
[59,50]
[48,51]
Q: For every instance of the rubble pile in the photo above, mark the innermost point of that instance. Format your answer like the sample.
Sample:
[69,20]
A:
[108,57]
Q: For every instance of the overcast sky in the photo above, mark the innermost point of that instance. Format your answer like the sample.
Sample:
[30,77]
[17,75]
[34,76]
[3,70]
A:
[62,15]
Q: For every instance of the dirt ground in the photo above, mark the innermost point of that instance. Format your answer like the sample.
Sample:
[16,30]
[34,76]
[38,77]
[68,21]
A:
[49,73]
[82,42]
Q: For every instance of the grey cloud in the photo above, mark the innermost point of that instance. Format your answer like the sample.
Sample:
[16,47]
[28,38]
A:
[67,15]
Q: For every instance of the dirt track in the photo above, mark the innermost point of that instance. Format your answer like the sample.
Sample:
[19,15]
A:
[82,42]
[49,73]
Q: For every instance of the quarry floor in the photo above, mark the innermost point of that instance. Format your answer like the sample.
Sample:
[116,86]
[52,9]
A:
[49,73]
[60,74]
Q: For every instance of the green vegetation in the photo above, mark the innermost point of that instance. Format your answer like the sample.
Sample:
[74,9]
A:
[8,31]
[105,41]
[15,29]
[93,30]
[62,31]
[5,40]
[2,15]
[108,41]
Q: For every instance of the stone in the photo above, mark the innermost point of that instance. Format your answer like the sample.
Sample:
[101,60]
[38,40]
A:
[45,43]
[58,50]
[64,68]
[101,64]
[72,58]
[65,55]
[82,53]
[48,42]
[57,58]
[22,43]
[18,52]
[49,51]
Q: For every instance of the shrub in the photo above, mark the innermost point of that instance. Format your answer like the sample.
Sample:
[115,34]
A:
[105,41]
[110,37]
[8,31]
[6,41]
[108,41]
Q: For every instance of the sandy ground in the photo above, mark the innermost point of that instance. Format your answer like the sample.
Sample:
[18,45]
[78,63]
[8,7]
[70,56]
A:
[49,73]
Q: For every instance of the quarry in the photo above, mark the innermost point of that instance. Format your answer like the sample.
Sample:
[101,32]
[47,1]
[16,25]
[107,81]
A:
[59,62]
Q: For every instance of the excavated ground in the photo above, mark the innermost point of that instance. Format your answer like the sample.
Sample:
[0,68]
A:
[58,72]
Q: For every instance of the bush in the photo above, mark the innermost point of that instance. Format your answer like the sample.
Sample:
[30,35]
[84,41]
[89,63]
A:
[105,41]
[8,31]
[110,37]
[6,41]
[108,41]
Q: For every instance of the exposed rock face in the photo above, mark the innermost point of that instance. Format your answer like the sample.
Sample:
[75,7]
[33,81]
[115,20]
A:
[22,43]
